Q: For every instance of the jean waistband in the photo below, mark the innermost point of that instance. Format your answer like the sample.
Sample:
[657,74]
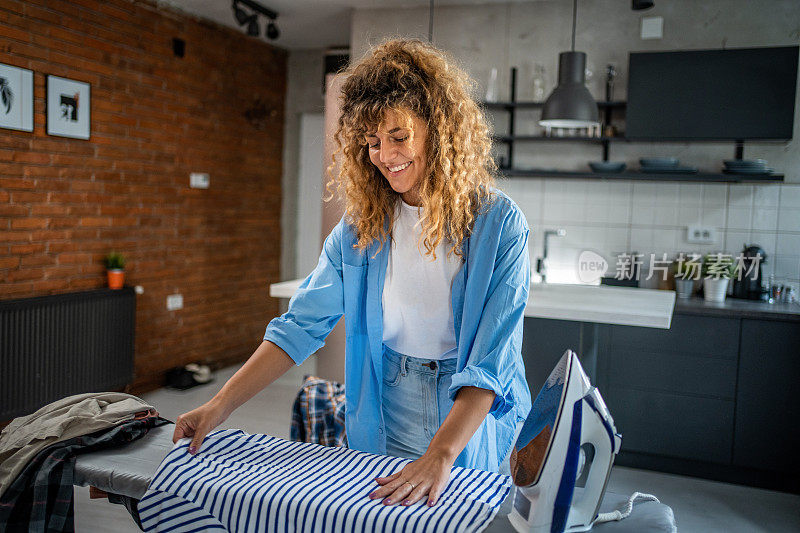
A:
[422,364]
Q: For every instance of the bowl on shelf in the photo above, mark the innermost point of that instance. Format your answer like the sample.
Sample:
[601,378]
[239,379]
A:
[607,166]
[746,166]
[659,162]
[745,163]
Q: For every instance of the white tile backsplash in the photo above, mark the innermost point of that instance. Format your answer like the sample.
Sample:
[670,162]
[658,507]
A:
[690,194]
[715,194]
[765,218]
[714,216]
[789,219]
[766,195]
[735,241]
[689,215]
[789,243]
[787,266]
[739,218]
[740,196]
[643,215]
[790,196]
[613,217]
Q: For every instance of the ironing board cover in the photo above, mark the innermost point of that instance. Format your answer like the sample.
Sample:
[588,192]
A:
[249,483]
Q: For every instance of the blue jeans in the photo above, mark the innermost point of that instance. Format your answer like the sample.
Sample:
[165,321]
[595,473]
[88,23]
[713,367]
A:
[415,401]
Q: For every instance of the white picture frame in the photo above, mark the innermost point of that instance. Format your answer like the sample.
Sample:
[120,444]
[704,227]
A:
[16,98]
[68,108]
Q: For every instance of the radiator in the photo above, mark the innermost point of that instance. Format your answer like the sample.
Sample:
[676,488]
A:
[56,346]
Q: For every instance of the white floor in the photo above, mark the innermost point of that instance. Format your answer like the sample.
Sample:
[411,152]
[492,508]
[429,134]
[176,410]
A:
[699,505]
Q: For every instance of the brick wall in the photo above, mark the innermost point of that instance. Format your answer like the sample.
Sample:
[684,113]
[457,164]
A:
[65,203]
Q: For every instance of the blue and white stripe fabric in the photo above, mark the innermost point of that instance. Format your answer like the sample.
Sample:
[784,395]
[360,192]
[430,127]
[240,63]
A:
[253,483]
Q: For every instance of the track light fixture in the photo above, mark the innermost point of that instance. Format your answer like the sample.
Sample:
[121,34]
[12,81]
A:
[251,19]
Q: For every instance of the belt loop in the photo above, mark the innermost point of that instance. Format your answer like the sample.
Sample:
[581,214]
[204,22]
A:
[404,365]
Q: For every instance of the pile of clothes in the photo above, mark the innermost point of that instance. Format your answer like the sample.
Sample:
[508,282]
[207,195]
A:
[37,454]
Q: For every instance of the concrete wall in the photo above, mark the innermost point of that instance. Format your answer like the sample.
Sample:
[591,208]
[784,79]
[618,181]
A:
[616,217]
[304,70]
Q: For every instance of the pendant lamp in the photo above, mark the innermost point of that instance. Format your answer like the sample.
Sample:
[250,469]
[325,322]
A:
[570,105]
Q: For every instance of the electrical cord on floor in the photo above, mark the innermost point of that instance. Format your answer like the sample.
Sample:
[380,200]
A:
[619,514]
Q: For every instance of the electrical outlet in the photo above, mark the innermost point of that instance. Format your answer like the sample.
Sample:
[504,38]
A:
[199,180]
[701,235]
[174,302]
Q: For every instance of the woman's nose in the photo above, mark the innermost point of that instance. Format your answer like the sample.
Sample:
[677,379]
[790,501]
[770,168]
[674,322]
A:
[387,154]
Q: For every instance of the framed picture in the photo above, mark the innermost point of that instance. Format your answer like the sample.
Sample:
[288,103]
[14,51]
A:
[16,98]
[68,103]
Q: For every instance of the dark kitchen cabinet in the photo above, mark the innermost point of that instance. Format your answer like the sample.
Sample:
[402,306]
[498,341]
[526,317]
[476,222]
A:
[545,340]
[713,396]
[767,432]
[672,391]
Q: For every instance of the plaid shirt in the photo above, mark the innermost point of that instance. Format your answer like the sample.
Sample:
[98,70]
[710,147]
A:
[41,497]
[318,413]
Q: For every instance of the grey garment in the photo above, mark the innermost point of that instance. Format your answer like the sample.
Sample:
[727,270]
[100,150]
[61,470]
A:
[64,419]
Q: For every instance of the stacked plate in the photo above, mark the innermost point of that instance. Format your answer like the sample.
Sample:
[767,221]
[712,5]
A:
[747,166]
[664,165]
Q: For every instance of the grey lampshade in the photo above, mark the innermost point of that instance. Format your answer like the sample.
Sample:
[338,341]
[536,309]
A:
[570,105]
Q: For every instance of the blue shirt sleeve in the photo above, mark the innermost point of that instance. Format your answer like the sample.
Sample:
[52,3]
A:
[315,308]
[495,361]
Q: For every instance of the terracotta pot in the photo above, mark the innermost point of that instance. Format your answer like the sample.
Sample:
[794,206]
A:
[116,278]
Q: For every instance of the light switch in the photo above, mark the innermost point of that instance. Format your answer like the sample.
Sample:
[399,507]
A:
[199,180]
[652,27]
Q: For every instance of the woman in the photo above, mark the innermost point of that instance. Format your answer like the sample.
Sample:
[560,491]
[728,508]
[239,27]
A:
[430,267]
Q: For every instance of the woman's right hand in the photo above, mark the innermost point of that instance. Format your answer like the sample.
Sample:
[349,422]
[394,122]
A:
[198,423]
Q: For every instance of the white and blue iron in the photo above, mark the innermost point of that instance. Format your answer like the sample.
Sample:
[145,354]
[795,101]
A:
[563,455]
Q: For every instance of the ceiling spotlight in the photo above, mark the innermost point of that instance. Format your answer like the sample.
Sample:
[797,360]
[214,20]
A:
[240,14]
[272,30]
[252,26]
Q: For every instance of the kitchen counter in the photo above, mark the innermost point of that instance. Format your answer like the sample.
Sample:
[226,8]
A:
[581,303]
[736,308]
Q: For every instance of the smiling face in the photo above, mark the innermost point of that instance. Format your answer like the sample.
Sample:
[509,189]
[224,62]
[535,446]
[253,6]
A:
[399,153]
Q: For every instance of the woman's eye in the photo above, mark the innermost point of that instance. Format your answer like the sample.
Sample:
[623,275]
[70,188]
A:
[404,139]
[374,145]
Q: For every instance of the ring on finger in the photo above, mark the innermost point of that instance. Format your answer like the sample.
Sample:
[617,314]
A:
[412,485]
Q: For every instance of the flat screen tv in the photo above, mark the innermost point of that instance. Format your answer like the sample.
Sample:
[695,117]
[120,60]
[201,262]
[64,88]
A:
[712,95]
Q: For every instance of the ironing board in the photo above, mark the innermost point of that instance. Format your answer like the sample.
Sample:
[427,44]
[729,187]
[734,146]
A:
[127,471]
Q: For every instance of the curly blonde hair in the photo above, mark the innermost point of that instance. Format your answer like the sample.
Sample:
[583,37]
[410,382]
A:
[412,76]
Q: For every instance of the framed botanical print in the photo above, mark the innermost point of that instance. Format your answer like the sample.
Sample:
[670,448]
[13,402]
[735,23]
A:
[16,98]
[68,104]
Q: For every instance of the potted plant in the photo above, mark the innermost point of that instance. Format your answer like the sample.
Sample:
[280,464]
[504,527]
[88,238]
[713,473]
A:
[115,268]
[687,271]
[717,271]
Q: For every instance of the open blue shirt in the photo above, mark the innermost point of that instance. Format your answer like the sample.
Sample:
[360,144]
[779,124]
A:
[489,295]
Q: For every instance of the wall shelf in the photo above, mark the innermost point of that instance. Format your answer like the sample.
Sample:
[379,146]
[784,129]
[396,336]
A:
[707,177]
[542,138]
[602,104]
[606,107]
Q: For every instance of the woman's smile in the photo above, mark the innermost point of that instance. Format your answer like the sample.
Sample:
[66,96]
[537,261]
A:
[397,169]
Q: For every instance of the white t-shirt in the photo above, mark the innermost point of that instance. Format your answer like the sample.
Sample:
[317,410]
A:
[417,304]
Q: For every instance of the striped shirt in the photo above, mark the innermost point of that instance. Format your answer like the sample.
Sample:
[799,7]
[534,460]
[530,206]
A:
[252,483]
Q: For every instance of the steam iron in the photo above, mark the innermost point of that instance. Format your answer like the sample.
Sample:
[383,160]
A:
[563,455]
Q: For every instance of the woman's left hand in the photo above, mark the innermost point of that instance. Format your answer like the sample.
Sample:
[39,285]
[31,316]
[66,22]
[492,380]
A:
[427,476]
